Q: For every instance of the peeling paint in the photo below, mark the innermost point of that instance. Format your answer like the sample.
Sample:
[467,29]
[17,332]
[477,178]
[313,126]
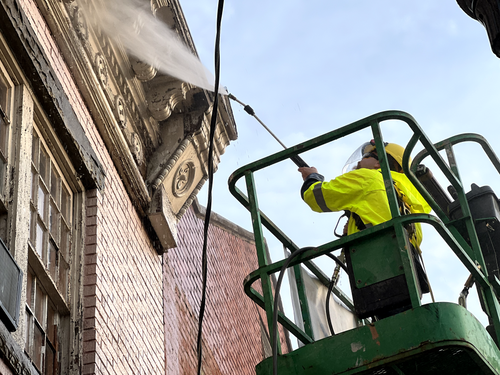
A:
[374,332]
[357,346]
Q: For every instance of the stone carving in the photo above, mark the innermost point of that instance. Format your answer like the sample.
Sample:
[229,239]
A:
[159,102]
[80,24]
[119,110]
[164,12]
[101,69]
[143,71]
[173,96]
[136,147]
[183,178]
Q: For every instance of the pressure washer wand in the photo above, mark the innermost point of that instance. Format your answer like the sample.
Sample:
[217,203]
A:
[296,159]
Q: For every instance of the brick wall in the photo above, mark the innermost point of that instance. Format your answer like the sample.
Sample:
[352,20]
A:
[122,283]
[231,329]
[123,316]
[4,370]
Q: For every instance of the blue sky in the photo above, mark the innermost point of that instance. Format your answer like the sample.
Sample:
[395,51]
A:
[310,67]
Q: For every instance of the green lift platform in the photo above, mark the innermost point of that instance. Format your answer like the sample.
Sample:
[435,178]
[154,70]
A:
[436,338]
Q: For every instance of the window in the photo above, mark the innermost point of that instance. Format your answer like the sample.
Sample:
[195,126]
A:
[49,257]
[41,327]
[4,121]
[4,143]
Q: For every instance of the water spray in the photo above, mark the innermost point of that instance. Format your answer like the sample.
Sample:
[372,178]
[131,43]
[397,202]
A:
[296,159]
[132,24]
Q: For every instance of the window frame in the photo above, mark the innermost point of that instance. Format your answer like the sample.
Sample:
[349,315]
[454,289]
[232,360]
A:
[6,105]
[25,110]
[56,164]
[43,222]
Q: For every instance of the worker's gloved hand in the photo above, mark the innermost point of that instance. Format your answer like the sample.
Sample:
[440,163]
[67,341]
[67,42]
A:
[306,171]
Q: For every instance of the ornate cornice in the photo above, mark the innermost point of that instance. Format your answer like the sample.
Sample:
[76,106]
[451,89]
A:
[49,91]
[171,162]
[147,119]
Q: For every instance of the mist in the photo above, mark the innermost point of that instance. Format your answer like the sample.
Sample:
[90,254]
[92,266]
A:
[132,24]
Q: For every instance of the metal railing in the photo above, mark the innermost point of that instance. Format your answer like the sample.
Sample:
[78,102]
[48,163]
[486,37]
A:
[469,255]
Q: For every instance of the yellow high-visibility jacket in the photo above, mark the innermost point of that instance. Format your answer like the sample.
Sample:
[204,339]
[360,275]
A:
[362,191]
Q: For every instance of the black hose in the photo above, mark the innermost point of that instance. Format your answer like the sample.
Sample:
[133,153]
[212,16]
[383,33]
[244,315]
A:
[328,317]
[213,124]
[339,262]
[330,290]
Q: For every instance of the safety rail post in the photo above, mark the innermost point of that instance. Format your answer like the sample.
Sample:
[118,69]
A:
[401,236]
[261,254]
[488,294]
[466,214]
[287,243]
[304,307]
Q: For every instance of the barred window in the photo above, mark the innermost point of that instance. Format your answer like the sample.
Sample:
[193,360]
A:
[49,257]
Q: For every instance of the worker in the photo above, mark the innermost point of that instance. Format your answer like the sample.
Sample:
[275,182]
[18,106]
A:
[361,191]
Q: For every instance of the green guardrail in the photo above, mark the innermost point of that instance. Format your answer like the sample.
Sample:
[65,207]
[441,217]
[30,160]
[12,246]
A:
[469,255]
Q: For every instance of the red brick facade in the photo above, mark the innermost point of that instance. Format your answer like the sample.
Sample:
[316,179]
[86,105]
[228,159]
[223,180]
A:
[232,324]
[121,290]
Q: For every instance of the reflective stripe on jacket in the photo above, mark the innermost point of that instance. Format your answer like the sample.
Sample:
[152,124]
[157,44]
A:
[362,191]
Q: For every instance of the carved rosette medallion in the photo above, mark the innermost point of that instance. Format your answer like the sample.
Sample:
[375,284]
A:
[183,179]
[101,69]
[80,24]
[136,147]
[119,110]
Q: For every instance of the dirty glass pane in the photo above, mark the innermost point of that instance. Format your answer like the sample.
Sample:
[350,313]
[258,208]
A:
[54,222]
[33,217]
[4,127]
[55,186]
[3,135]
[52,260]
[38,341]
[40,238]
[63,277]
[33,185]
[42,199]
[34,150]
[44,166]
[29,290]
[50,356]
[2,174]
[28,321]
[51,324]
[39,303]
[65,241]
[66,205]
[3,93]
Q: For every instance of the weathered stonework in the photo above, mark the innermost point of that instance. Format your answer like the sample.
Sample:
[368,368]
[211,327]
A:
[11,356]
[145,104]
[15,25]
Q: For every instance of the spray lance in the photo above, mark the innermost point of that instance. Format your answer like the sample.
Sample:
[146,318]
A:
[296,159]
[340,261]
